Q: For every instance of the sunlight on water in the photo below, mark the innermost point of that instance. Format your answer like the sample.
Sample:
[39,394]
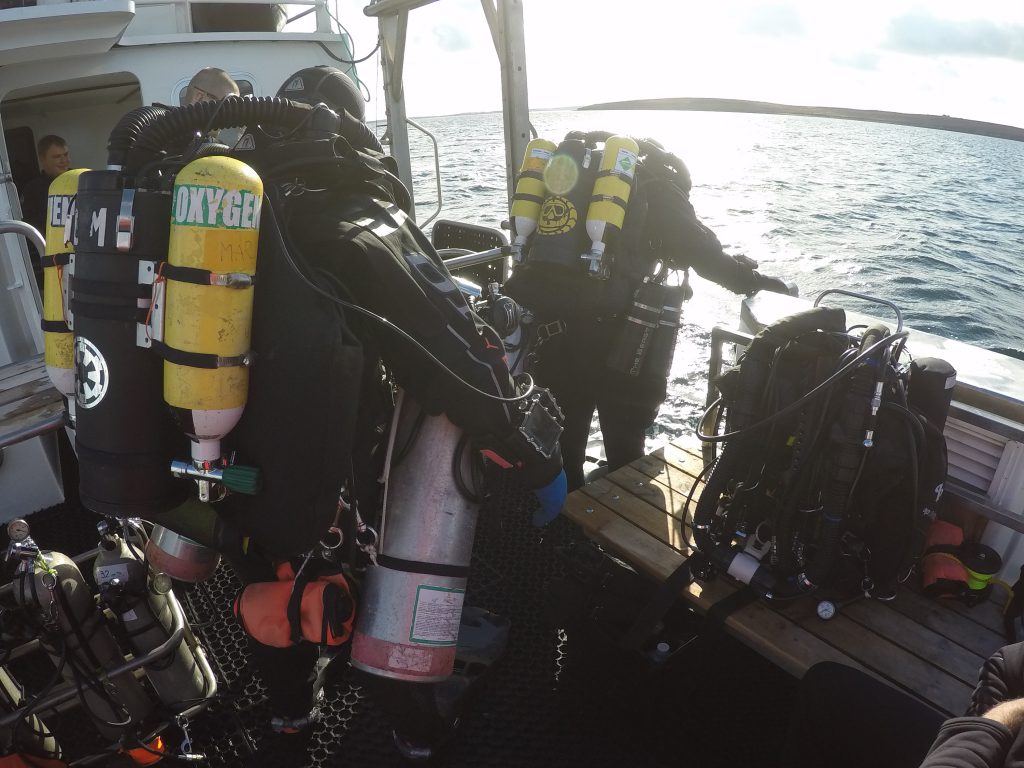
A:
[931,220]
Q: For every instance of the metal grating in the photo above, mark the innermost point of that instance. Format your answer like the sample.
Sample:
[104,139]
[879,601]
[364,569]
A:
[559,697]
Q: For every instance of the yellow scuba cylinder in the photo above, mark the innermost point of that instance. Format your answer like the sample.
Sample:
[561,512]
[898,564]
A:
[59,350]
[211,263]
[610,196]
[530,192]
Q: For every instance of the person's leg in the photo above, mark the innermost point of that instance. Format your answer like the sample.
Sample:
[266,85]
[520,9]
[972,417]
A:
[844,718]
[624,428]
[564,368]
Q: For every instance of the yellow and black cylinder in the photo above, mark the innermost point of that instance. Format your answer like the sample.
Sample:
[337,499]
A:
[59,349]
[610,196]
[530,190]
[211,263]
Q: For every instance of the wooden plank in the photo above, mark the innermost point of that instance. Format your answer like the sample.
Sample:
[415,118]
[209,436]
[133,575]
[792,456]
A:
[936,616]
[669,497]
[895,664]
[646,517]
[14,370]
[936,649]
[988,614]
[31,388]
[765,631]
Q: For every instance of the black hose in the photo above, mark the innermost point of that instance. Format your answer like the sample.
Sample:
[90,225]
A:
[176,126]
[127,130]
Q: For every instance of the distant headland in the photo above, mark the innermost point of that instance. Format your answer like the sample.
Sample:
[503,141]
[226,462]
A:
[940,122]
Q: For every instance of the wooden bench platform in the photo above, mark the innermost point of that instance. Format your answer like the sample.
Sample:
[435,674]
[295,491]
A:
[29,405]
[931,649]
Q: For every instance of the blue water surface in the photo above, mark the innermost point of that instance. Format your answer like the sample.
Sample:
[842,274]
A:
[931,220]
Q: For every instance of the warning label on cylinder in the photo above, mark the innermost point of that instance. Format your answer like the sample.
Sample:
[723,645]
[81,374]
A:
[436,614]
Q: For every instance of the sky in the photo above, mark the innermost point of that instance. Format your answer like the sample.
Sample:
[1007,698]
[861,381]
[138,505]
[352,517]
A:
[963,58]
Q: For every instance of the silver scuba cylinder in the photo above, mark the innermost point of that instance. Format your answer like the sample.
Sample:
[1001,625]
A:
[144,603]
[408,623]
[52,585]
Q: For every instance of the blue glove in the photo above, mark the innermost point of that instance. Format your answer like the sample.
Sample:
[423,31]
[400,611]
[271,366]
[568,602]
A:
[551,498]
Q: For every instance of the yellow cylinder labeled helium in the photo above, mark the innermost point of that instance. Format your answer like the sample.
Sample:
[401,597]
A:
[530,191]
[211,256]
[610,197]
[58,337]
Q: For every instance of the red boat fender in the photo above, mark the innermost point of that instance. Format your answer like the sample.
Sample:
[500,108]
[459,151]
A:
[942,573]
[286,612]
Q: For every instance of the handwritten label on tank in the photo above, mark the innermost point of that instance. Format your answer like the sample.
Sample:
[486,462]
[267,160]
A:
[436,615]
[201,206]
[107,573]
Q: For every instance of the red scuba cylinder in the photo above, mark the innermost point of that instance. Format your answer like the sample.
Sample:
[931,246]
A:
[409,615]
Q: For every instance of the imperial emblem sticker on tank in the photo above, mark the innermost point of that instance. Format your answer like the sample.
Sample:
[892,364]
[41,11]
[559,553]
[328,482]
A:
[92,374]
[203,206]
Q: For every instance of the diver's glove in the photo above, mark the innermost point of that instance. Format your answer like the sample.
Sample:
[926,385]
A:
[766,283]
[531,447]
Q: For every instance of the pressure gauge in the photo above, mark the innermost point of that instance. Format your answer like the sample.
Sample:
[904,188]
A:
[826,610]
[18,530]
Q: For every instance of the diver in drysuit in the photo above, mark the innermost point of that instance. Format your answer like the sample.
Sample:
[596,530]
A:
[341,219]
[586,351]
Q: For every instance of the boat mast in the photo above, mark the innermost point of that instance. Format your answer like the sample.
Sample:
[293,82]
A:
[505,19]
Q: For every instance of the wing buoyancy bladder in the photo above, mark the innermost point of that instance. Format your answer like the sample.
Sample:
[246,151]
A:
[810,488]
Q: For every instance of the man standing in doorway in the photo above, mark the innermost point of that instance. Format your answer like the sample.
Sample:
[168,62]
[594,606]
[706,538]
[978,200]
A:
[54,159]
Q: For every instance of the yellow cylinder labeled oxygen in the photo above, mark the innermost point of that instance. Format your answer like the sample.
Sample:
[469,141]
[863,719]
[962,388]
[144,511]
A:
[207,325]
[59,339]
[610,197]
[530,193]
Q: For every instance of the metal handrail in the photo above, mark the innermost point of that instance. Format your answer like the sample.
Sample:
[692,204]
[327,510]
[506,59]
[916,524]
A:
[27,231]
[864,297]
[466,258]
[437,169]
[68,692]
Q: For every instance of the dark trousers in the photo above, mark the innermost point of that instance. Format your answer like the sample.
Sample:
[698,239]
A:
[845,718]
[572,365]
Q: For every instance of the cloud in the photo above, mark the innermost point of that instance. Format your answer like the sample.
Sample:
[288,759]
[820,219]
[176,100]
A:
[922,34]
[451,38]
[774,21]
[865,60]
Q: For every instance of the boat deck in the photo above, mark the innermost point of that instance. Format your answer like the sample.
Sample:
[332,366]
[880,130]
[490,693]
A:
[29,405]
[929,648]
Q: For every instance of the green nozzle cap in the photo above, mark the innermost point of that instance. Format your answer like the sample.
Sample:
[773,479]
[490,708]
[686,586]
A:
[241,479]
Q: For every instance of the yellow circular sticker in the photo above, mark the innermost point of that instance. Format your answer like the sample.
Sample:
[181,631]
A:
[557,215]
[561,174]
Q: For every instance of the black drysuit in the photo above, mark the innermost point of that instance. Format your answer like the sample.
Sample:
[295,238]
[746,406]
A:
[579,316]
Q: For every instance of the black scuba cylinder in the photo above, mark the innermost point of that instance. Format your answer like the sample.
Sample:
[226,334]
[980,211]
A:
[569,177]
[637,330]
[662,348]
[930,390]
[844,456]
[126,439]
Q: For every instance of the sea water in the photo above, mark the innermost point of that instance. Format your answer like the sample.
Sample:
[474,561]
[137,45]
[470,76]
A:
[930,220]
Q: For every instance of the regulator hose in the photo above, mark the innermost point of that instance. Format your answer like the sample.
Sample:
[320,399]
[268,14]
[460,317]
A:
[147,135]
[125,133]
